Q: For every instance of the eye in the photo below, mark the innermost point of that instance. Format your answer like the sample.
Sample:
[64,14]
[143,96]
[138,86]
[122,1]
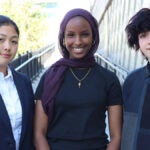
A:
[15,42]
[1,39]
[85,34]
[142,35]
[69,35]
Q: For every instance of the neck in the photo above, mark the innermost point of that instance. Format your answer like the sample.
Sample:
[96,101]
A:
[3,69]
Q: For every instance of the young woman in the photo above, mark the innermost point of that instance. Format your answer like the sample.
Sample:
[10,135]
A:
[75,93]
[136,89]
[16,94]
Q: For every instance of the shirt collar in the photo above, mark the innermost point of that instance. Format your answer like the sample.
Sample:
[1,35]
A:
[8,76]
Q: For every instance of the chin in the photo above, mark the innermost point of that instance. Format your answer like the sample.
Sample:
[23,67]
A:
[78,57]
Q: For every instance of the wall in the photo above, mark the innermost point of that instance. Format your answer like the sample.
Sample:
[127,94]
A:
[113,16]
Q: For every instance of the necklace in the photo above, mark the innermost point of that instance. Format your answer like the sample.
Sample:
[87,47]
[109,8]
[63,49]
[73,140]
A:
[80,80]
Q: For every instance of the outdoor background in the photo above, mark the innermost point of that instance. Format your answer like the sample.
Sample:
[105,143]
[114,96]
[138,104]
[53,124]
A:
[38,20]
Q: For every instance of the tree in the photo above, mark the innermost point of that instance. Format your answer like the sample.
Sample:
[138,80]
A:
[32,22]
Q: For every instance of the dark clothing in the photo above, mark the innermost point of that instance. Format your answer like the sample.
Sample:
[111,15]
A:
[136,95]
[79,116]
[24,89]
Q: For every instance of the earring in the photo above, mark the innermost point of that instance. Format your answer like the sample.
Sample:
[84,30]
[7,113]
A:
[93,42]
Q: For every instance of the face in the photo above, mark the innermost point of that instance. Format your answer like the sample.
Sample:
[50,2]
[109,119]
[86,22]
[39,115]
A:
[78,37]
[144,43]
[8,45]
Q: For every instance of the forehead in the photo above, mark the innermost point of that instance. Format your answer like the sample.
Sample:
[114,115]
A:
[78,21]
[8,30]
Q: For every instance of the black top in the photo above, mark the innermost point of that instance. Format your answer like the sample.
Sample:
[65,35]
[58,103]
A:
[79,117]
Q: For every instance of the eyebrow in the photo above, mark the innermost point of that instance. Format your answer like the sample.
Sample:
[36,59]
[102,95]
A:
[14,36]
[85,30]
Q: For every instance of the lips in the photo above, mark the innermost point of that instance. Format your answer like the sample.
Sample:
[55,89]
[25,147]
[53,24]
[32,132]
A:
[6,55]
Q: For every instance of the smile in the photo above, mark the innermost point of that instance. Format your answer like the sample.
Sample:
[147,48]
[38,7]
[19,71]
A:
[78,49]
[6,55]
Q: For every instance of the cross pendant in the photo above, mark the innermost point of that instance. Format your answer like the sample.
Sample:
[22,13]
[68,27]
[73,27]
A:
[79,84]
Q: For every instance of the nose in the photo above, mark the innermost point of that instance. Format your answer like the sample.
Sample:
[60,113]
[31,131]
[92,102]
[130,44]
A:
[78,40]
[7,45]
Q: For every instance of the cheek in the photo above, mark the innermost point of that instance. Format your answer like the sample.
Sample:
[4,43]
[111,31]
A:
[90,39]
[140,42]
[90,42]
[14,51]
[68,42]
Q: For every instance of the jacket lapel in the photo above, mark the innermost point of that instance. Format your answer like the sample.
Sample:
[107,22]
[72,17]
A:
[4,117]
[20,89]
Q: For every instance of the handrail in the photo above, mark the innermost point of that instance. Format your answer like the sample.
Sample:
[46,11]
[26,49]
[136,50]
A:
[120,71]
[33,63]
[34,57]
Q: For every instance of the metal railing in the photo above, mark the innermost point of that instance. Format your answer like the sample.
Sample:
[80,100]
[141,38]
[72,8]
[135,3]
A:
[32,63]
[106,63]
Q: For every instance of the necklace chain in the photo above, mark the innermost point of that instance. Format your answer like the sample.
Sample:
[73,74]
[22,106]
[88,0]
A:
[80,80]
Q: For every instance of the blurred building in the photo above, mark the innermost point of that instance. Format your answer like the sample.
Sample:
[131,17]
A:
[113,16]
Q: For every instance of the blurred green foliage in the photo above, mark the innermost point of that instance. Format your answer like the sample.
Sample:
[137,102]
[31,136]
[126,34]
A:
[31,20]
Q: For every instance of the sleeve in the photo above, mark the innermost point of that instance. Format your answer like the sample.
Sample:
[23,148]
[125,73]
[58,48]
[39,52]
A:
[39,89]
[115,92]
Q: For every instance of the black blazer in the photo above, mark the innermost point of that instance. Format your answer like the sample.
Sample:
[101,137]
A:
[24,88]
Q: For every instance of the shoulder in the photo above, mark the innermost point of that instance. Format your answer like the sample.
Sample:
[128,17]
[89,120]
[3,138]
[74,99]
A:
[105,73]
[135,75]
[107,78]
[20,76]
[110,81]
[134,80]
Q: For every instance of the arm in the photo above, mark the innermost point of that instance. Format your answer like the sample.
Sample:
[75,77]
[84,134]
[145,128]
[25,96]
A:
[115,126]
[40,127]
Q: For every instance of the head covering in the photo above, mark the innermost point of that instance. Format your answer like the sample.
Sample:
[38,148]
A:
[92,21]
[55,74]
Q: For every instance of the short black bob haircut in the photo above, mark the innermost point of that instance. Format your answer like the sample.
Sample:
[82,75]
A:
[4,20]
[139,23]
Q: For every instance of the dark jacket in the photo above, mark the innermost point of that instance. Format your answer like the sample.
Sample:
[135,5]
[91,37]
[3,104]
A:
[136,98]
[7,142]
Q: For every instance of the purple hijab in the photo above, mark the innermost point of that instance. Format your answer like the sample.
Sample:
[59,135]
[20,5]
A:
[55,74]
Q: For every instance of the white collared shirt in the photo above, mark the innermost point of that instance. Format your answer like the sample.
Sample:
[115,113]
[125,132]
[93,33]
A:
[12,103]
